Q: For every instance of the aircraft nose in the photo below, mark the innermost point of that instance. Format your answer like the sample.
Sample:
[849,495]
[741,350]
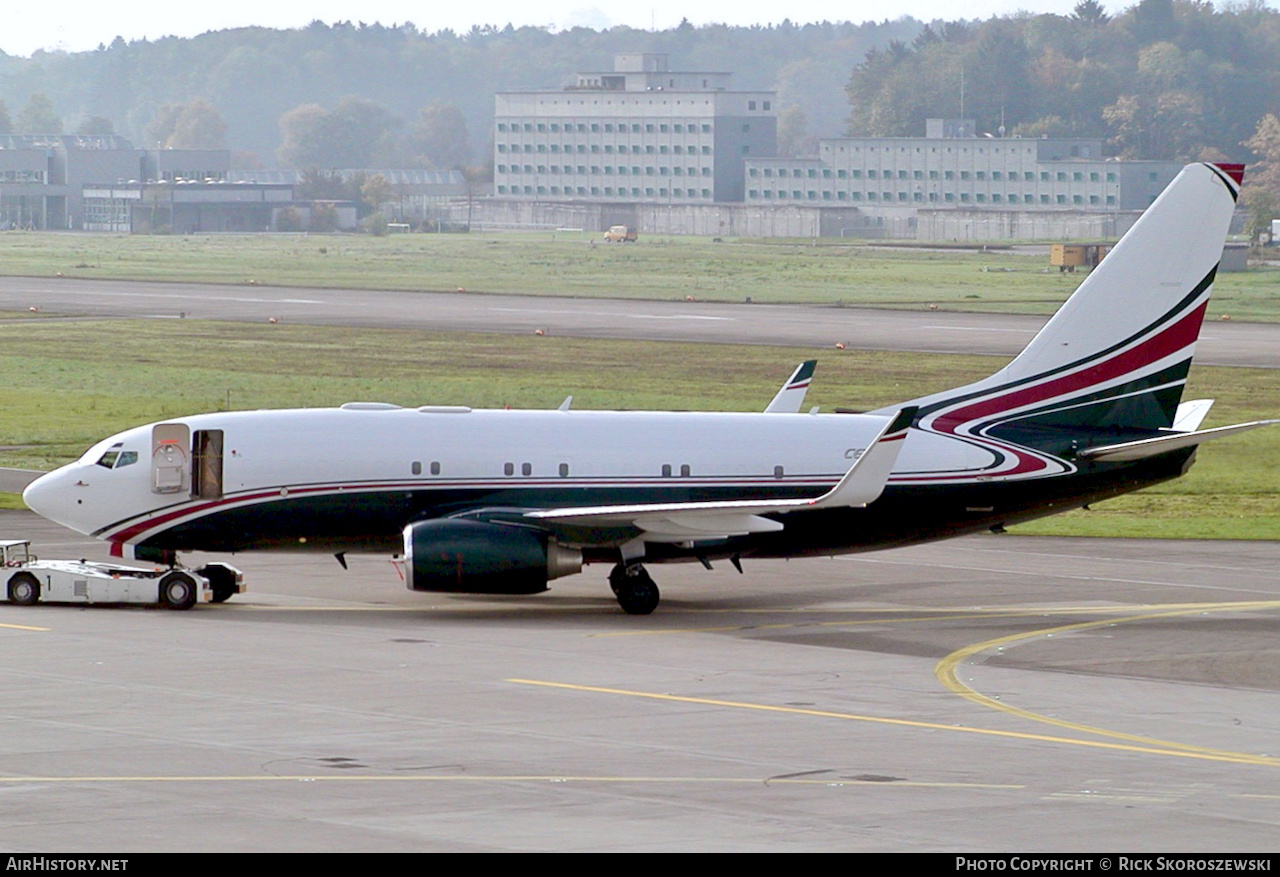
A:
[51,496]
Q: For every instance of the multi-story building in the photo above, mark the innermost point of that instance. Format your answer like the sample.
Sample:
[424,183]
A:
[638,133]
[951,168]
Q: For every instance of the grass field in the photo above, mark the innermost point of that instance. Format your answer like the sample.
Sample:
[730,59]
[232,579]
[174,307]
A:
[825,271]
[69,384]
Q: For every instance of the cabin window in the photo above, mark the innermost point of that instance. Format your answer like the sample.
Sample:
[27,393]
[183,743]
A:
[416,468]
[526,469]
[684,471]
[508,468]
[564,470]
[666,470]
[435,467]
[777,472]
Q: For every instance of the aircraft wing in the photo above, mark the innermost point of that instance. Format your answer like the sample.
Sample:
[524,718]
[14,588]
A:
[682,521]
[791,396]
[1143,448]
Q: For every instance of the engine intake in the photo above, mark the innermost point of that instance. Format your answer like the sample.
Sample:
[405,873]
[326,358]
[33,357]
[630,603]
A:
[475,557]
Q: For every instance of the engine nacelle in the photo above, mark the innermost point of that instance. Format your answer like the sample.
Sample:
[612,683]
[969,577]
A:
[474,557]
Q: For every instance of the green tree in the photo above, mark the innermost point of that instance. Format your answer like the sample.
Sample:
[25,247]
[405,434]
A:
[38,117]
[160,128]
[1261,193]
[374,192]
[324,217]
[439,136]
[1265,144]
[318,185]
[198,126]
[96,126]
[348,136]
[1165,126]
[793,133]
[1090,12]
[289,219]
[304,137]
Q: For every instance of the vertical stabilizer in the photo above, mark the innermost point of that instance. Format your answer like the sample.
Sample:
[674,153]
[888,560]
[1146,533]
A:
[1115,356]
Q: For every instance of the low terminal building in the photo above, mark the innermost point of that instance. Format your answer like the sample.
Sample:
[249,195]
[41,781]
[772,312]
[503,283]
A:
[184,207]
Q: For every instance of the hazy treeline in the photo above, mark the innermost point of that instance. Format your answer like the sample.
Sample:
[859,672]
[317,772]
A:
[1167,79]
[410,90]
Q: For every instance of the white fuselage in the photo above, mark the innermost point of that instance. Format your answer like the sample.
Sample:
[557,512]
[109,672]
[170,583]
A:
[315,452]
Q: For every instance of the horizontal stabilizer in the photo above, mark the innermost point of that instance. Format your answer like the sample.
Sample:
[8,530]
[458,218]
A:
[1143,448]
[683,521]
[1191,414]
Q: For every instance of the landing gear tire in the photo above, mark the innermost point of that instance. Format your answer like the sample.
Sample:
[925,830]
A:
[636,592]
[24,589]
[222,581]
[178,590]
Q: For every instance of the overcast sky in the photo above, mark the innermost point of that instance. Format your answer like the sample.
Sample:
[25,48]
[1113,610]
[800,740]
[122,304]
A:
[80,25]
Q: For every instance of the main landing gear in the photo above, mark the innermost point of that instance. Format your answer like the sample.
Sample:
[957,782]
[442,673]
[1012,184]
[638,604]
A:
[636,592]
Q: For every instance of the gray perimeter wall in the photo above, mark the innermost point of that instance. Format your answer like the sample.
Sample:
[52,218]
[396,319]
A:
[739,220]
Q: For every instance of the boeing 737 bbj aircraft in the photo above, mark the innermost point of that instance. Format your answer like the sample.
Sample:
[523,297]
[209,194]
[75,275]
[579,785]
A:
[504,501]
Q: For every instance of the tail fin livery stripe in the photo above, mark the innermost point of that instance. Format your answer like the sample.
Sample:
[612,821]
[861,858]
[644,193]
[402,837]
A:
[1187,331]
[1228,173]
[1097,371]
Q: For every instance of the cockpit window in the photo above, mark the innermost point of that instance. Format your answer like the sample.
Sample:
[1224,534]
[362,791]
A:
[115,458]
[108,459]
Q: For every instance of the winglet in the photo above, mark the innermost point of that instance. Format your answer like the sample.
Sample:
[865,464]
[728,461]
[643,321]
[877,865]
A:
[791,396]
[866,478]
